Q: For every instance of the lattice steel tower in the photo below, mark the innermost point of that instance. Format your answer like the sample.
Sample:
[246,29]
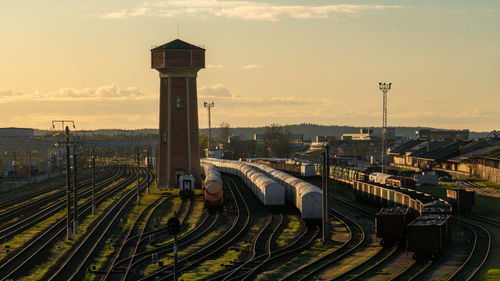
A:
[384,87]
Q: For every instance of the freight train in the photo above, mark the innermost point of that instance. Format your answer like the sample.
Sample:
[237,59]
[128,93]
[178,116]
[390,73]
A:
[416,217]
[289,166]
[213,192]
[306,197]
[268,191]
[424,224]
[273,187]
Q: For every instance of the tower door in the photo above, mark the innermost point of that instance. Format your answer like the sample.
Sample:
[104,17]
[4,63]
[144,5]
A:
[178,174]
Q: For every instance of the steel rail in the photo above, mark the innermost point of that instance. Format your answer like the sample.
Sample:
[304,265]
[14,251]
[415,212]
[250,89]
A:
[220,243]
[15,263]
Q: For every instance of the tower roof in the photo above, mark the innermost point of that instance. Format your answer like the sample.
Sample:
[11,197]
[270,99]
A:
[177,44]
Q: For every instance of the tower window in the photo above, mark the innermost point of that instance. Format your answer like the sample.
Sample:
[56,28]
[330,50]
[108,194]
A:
[178,101]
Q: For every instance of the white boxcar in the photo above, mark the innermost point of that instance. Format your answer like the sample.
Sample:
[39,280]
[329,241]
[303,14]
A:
[269,192]
[305,196]
[382,178]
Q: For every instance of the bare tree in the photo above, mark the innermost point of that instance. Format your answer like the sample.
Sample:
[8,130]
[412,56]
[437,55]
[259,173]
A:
[276,141]
[225,131]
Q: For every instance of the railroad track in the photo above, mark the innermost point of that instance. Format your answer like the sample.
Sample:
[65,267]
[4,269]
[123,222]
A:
[471,184]
[33,206]
[486,220]
[309,270]
[261,249]
[413,272]
[375,261]
[4,204]
[181,213]
[50,210]
[237,228]
[76,260]
[14,264]
[123,250]
[185,239]
[478,255]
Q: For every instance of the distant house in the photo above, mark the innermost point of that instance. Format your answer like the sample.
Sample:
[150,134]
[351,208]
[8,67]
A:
[364,134]
[428,134]
[487,166]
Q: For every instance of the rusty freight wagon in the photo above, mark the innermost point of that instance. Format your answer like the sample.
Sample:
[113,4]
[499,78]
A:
[461,198]
[390,224]
[427,236]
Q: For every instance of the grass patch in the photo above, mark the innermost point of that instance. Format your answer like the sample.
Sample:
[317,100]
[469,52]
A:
[62,246]
[290,232]
[338,235]
[22,238]
[110,248]
[492,274]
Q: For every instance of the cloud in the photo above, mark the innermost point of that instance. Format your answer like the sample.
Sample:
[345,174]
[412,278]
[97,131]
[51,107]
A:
[6,93]
[112,91]
[245,10]
[215,66]
[250,66]
[213,91]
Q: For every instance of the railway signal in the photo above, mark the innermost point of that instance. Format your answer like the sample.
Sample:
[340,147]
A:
[173,228]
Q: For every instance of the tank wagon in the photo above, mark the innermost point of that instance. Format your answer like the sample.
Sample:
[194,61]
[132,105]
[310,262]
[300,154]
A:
[186,186]
[213,191]
[303,195]
[268,191]
[389,222]
[461,199]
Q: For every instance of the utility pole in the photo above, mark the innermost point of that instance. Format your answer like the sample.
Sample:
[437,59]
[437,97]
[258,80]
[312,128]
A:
[75,188]
[93,181]
[325,171]
[209,107]
[68,188]
[68,178]
[147,175]
[29,167]
[384,87]
[138,180]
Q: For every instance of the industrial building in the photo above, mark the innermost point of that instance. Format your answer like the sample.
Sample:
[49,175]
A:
[428,134]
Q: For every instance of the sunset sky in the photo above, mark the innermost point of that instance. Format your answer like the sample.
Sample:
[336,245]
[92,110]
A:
[267,62]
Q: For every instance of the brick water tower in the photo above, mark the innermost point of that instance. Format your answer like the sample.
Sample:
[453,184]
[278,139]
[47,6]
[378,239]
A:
[179,153]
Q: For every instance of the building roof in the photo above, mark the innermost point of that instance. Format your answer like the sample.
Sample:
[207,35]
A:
[177,44]
[407,146]
[477,152]
[495,154]
[443,152]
